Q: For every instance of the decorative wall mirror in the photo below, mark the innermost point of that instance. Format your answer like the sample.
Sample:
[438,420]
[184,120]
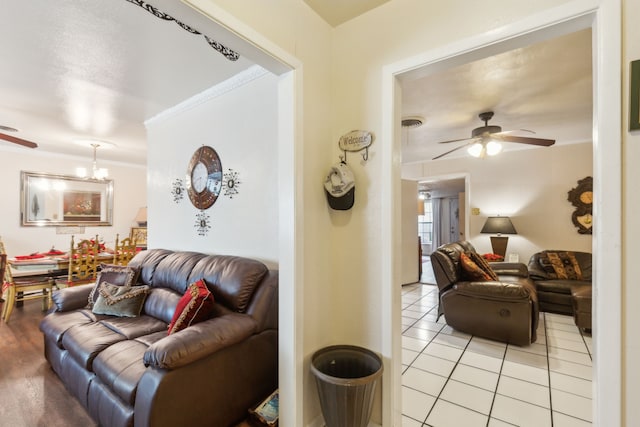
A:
[61,200]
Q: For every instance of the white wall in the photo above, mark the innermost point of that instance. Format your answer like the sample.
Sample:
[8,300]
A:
[239,120]
[529,186]
[130,193]
[410,258]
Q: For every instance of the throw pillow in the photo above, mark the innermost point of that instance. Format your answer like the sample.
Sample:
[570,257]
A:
[115,275]
[195,306]
[121,301]
[565,265]
[470,270]
[483,264]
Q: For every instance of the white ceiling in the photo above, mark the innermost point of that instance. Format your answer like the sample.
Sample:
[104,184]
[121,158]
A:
[545,87]
[81,69]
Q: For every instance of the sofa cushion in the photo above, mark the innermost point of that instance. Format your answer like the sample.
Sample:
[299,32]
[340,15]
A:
[134,327]
[85,342]
[123,301]
[120,368]
[473,271]
[195,306]
[57,323]
[116,275]
[161,304]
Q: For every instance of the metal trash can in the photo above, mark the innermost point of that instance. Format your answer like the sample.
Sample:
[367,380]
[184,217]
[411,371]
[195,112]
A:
[346,377]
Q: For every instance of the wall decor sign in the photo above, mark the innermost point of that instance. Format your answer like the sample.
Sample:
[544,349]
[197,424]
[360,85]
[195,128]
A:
[634,95]
[225,51]
[356,140]
[582,198]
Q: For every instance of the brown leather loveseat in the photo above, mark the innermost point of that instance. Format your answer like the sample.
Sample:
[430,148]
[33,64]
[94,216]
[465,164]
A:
[563,282]
[128,371]
[504,308]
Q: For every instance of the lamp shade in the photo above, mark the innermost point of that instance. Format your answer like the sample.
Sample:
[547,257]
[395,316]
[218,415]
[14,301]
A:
[141,216]
[498,225]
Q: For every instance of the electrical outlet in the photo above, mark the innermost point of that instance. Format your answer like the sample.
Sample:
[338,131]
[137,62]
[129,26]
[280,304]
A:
[475,211]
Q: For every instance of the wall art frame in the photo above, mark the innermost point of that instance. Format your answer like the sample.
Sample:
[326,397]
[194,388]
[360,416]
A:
[61,200]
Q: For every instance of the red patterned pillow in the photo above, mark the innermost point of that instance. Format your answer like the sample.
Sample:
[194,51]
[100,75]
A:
[471,270]
[195,306]
[483,264]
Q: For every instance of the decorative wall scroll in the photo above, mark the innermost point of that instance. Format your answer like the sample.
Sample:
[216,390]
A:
[225,51]
[177,190]
[582,198]
[230,183]
[203,223]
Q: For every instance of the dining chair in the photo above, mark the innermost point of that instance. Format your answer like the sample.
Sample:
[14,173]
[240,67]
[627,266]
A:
[125,250]
[19,289]
[83,262]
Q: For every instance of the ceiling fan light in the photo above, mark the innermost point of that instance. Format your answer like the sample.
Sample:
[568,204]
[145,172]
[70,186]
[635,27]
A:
[475,149]
[493,148]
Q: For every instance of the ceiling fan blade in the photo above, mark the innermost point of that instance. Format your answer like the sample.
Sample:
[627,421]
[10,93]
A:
[450,151]
[509,132]
[526,140]
[454,140]
[18,141]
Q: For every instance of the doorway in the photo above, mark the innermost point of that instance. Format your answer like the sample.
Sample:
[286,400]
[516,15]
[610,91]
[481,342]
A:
[606,108]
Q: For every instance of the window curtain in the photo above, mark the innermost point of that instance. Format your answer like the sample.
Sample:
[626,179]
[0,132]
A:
[437,222]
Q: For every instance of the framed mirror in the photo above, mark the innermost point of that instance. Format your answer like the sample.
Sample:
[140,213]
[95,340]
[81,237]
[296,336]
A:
[61,200]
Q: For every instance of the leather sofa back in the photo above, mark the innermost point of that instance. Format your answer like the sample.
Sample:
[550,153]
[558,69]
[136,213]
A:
[232,280]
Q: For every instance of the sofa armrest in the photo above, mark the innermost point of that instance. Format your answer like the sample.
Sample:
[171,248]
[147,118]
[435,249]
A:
[510,268]
[493,290]
[72,298]
[199,340]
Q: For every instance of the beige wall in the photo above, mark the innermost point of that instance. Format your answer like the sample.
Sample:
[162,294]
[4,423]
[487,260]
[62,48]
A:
[130,193]
[530,186]
[631,224]
[341,73]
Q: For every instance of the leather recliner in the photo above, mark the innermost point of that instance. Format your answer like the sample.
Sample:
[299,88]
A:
[505,310]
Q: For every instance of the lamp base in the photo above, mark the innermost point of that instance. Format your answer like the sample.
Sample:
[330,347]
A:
[499,245]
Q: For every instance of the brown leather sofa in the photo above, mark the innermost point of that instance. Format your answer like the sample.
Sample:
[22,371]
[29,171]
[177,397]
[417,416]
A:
[570,295]
[504,310]
[129,372]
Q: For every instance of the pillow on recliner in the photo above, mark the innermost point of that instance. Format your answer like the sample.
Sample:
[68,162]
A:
[195,306]
[475,271]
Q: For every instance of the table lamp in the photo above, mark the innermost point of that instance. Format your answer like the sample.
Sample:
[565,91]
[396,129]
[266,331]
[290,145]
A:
[499,225]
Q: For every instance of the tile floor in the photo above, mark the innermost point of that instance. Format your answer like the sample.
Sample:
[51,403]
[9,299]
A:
[455,379]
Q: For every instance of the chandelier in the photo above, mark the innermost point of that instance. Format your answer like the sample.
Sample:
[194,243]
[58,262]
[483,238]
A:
[96,172]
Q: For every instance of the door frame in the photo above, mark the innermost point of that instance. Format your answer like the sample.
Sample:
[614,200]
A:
[604,18]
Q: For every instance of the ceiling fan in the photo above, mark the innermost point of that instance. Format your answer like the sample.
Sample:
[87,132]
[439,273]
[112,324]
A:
[485,140]
[18,141]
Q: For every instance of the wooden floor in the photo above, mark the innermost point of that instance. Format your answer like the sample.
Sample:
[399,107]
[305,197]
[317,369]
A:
[30,392]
